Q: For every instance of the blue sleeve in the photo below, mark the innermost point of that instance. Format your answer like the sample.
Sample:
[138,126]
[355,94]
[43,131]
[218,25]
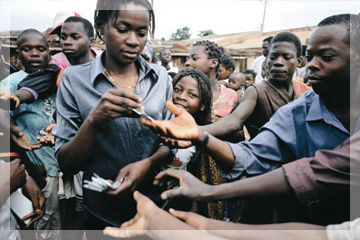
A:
[67,113]
[271,148]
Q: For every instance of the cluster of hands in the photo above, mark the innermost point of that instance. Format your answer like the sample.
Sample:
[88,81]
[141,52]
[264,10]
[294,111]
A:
[151,217]
[18,176]
[8,101]
[180,132]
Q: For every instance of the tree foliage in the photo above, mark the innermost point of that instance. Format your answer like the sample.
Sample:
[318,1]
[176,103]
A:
[181,34]
[205,33]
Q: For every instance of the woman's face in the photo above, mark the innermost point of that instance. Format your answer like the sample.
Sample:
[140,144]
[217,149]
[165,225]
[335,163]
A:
[186,95]
[126,37]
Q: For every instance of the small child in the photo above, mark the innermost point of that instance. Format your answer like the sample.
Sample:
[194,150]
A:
[192,91]
[227,67]
[237,82]
[250,77]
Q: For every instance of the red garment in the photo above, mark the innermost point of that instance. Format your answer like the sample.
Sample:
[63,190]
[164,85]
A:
[300,88]
[226,102]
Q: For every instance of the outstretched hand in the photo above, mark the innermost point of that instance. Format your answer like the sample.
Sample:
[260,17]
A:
[23,142]
[190,187]
[182,127]
[49,139]
[8,100]
[139,224]
[132,175]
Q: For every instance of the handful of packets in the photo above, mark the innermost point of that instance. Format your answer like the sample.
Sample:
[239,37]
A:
[99,184]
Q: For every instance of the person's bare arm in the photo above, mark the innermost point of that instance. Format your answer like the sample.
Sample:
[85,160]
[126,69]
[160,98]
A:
[236,119]
[194,189]
[24,96]
[285,231]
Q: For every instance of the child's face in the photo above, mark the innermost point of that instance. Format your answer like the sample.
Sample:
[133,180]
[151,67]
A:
[224,73]
[74,40]
[328,60]
[34,53]
[249,80]
[199,60]
[282,61]
[186,95]
[236,81]
[126,37]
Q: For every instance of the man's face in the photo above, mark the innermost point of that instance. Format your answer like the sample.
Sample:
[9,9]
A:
[165,56]
[34,53]
[265,48]
[328,61]
[282,61]
[74,40]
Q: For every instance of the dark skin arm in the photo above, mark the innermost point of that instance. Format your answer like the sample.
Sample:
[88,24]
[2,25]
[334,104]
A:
[184,127]
[193,188]
[20,138]
[24,96]
[136,172]
[285,231]
[236,119]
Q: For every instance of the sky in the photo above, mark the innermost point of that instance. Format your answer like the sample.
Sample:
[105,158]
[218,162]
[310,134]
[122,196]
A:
[223,17]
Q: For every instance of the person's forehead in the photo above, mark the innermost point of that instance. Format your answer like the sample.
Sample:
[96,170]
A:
[32,39]
[132,12]
[265,44]
[73,27]
[287,47]
[190,82]
[197,50]
[330,36]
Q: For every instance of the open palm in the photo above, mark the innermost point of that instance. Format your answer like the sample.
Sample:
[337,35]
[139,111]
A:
[182,127]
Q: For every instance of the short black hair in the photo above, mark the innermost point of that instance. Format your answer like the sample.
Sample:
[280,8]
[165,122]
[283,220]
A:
[21,38]
[352,22]
[250,71]
[202,117]
[228,61]
[103,13]
[212,50]
[268,39]
[86,23]
[291,38]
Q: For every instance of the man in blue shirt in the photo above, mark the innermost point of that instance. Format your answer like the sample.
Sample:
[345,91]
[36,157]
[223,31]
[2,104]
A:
[297,130]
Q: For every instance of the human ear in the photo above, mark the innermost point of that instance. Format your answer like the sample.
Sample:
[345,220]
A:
[91,42]
[202,108]
[214,63]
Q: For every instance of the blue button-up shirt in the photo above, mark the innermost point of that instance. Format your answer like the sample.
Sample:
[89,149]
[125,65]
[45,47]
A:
[119,142]
[295,131]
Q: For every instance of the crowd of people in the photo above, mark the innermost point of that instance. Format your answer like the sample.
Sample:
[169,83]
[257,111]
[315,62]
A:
[275,147]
